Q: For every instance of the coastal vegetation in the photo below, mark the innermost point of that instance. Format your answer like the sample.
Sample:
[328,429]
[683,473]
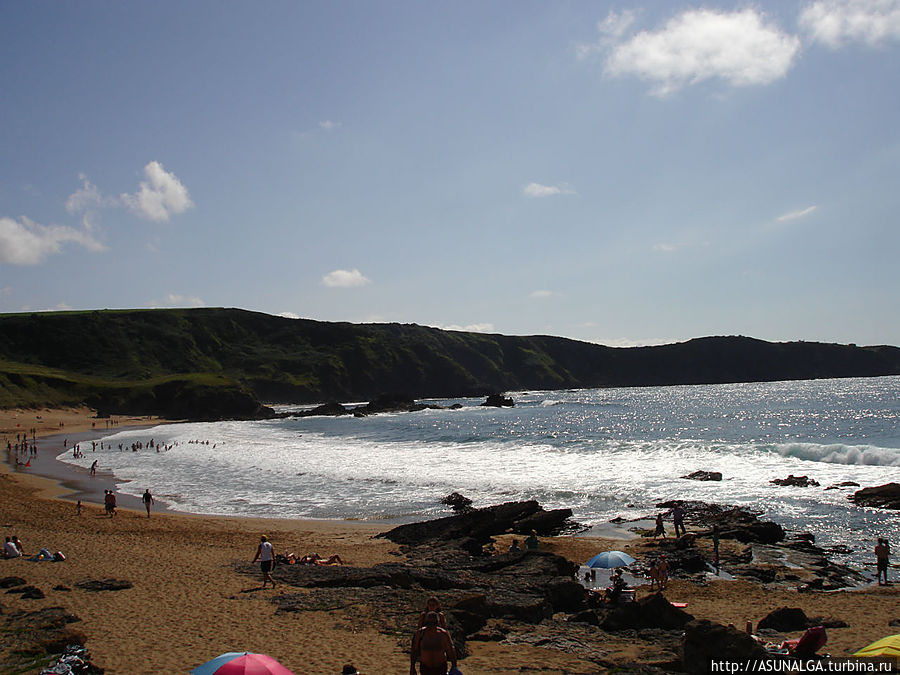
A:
[215,362]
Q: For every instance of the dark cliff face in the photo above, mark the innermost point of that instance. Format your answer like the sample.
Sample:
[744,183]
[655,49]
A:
[226,359]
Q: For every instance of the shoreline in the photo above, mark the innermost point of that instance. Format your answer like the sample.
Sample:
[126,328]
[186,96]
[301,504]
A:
[59,479]
[185,568]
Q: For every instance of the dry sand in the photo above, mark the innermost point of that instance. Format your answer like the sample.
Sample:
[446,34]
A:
[188,604]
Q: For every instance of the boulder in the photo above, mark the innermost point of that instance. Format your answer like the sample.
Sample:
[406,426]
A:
[332,409]
[482,524]
[705,642]
[796,481]
[499,401]
[457,502]
[785,620]
[704,475]
[883,496]
[654,611]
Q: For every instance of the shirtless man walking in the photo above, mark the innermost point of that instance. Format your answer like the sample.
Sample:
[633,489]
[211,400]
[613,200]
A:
[432,647]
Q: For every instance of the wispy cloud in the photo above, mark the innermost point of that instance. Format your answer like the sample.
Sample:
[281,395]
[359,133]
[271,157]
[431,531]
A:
[177,300]
[471,328]
[665,247]
[836,23]
[537,190]
[24,242]
[329,125]
[88,201]
[160,196]
[796,215]
[345,279]
[541,295]
[740,48]
[288,315]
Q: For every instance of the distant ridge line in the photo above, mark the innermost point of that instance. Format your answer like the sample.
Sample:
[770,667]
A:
[168,361]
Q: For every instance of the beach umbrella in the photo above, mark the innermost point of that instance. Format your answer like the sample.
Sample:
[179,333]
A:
[886,646]
[609,559]
[242,663]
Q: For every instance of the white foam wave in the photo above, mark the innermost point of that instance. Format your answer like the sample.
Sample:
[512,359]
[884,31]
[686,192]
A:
[861,455]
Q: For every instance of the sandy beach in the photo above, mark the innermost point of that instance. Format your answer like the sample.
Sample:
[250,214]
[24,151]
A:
[189,602]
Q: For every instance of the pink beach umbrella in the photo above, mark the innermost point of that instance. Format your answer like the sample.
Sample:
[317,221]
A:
[242,663]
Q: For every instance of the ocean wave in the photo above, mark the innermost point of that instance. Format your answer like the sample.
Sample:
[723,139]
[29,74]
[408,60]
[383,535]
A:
[837,453]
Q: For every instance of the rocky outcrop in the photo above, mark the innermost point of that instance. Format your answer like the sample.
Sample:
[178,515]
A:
[499,401]
[704,475]
[734,522]
[457,502]
[883,496]
[795,481]
[785,620]
[479,525]
[654,611]
[705,642]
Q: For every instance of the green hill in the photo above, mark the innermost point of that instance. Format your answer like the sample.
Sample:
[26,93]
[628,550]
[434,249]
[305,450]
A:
[213,363]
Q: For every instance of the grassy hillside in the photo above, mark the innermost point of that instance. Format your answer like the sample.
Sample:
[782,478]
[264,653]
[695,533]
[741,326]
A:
[166,361]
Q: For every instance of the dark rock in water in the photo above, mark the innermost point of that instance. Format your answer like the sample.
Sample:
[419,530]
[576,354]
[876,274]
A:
[499,401]
[705,642]
[795,481]
[11,582]
[704,475]
[332,409]
[654,611]
[97,585]
[390,403]
[457,502]
[846,483]
[785,620]
[883,496]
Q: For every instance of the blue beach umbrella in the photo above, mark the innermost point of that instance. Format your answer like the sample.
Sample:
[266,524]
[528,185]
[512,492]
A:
[609,559]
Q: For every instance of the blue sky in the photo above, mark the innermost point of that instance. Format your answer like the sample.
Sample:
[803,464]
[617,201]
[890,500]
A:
[617,173]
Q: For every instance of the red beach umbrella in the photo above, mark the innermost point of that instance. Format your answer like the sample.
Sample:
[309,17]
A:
[242,663]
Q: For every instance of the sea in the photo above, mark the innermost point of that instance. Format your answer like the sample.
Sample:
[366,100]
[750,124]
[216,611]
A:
[604,453]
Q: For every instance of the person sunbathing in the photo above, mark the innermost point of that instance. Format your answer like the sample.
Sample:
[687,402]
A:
[316,559]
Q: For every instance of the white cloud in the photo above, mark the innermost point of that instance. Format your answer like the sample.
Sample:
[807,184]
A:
[838,22]
[29,243]
[700,44]
[665,247]
[345,279]
[541,295]
[288,315]
[160,196]
[536,190]
[87,201]
[176,300]
[328,125]
[471,328]
[796,215]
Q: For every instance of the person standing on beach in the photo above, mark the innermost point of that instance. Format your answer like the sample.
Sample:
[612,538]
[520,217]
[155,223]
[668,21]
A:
[148,500]
[678,519]
[432,647]
[94,467]
[882,554]
[266,556]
